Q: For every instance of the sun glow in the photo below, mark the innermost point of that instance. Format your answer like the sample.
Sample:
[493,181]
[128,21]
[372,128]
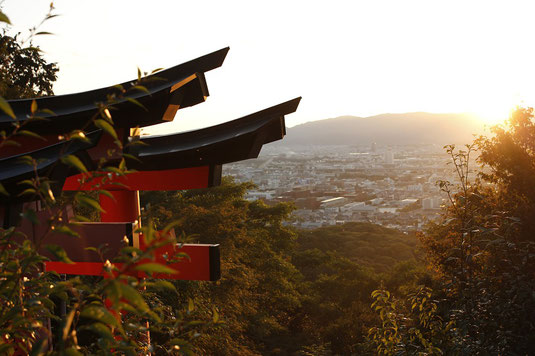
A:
[494,113]
[496,109]
[366,58]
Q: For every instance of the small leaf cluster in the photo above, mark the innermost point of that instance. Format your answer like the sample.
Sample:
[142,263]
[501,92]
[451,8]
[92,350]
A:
[411,326]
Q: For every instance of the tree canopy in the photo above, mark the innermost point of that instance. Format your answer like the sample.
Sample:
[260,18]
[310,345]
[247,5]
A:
[482,252]
[24,73]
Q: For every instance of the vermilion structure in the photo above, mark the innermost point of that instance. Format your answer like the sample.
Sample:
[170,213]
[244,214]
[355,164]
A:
[190,160]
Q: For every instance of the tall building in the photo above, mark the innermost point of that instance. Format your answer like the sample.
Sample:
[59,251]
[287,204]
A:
[389,157]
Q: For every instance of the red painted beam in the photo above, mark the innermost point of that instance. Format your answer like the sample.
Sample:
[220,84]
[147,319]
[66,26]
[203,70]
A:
[202,264]
[77,268]
[169,179]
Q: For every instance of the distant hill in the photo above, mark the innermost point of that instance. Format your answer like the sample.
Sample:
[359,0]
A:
[389,129]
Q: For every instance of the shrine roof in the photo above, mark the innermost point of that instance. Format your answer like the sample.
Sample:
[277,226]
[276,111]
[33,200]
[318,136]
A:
[228,142]
[231,141]
[166,91]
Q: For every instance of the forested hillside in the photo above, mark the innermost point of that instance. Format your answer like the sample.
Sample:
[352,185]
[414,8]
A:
[284,292]
[364,243]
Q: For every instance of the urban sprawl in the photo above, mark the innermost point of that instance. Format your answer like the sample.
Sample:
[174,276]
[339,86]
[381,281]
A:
[392,186]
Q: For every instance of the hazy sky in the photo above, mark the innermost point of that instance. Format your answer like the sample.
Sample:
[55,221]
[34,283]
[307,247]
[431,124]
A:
[343,57]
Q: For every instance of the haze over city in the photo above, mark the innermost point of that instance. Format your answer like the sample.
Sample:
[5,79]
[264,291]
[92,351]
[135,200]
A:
[345,58]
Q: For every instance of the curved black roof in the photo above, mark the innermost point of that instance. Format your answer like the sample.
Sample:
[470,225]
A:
[168,90]
[228,142]
[15,169]
[231,141]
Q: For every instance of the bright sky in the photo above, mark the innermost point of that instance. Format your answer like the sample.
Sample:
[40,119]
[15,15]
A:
[358,57]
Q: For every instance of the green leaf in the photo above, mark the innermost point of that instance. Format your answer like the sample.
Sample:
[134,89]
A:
[100,329]
[4,18]
[48,111]
[4,105]
[75,162]
[65,230]
[26,181]
[161,284]
[81,218]
[104,125]
[153,267]
[78,135]
[138,142]
[33,107]
[31,134]
[71,351]
[133,297]
[45,189]
[140,88]
[170,226]
[191,306]
[6,349]
[28,191]
[106,193]
[32,216]
[3,190]
[106,114]
[177,341]
[215,315]
[26,160]
[113,291]
[39,347]
[59,253]
[127,155]
[89,202]
[100,314]
[11,143]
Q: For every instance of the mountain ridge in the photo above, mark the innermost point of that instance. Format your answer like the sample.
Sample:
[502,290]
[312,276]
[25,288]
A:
[405,128]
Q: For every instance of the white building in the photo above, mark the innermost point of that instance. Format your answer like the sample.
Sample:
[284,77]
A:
[406,202]
[431,203]
[255,195]
[333,202]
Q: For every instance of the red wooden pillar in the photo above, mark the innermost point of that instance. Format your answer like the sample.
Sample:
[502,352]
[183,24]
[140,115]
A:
[123,208]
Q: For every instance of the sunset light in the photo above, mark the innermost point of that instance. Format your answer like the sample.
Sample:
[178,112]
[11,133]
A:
[493,108]
[356,58]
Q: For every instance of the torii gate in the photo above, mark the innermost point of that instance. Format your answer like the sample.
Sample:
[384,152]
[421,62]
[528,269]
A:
[189,160]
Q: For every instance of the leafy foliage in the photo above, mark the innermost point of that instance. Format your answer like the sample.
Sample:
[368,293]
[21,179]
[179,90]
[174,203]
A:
[364,243]
[24,73]
[257,294]
[283,291]
[413,329]
[482,251]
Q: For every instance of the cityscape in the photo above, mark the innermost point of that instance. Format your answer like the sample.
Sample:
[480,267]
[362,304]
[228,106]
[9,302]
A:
[393,186]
